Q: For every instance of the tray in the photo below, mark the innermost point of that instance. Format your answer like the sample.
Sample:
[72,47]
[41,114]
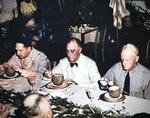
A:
[107,98]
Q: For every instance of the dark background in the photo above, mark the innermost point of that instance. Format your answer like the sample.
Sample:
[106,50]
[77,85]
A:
[54,17]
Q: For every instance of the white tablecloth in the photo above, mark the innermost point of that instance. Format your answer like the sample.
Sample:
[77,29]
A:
[77,94]
[18,84]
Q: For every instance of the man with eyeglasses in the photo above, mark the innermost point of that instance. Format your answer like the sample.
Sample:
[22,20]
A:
[76,66]
[132,77]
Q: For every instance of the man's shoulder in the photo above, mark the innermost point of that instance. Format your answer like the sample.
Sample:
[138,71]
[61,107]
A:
[14,56]
[86,58]
[38,53]
[64,60]
[117,65]
[143,69]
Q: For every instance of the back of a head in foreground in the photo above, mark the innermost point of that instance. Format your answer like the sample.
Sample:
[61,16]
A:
[37,106]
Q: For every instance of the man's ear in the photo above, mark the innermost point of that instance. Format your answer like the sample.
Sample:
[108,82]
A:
[50,114]
[29,49]
[137,58]
[80,49]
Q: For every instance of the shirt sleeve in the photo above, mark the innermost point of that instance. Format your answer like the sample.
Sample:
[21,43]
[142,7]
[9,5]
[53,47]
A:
[93,72]
[13,60]
[147,87]
[110,74]
[42,65]
[58,68]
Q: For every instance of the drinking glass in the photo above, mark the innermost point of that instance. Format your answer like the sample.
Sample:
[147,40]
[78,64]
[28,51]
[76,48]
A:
[32,79]
[90,93]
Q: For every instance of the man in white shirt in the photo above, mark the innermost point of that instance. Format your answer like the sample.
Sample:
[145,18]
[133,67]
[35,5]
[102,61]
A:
[76,66]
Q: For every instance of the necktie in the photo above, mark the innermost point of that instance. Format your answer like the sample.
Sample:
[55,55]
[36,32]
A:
[72,64]
[126,89]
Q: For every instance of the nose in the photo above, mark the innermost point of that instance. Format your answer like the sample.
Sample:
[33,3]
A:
[123,62]
[17,52]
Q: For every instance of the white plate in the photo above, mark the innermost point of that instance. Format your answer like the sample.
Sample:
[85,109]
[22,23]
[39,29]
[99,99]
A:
[107,96]
[11,77]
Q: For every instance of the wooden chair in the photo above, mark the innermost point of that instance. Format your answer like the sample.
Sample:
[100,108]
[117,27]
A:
[98,45]
[147,51]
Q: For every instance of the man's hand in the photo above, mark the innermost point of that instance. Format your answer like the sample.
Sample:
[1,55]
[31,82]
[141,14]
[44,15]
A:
[4,112]
[70,81]
[48,74]
[17,68]
[2,69]
[22,71]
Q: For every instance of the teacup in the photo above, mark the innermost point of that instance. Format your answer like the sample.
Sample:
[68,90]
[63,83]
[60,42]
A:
[114,91]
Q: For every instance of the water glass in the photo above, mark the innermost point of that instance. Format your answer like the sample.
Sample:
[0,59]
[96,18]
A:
[90,93]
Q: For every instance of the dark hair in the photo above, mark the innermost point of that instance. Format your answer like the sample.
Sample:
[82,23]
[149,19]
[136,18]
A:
[76,40]
[25,40]
[28,1]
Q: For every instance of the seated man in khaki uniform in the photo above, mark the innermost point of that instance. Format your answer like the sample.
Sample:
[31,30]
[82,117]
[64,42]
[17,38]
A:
[27,60]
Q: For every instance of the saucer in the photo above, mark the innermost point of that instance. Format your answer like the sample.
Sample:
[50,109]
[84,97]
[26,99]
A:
[105,97]
[50,85]
[17,74]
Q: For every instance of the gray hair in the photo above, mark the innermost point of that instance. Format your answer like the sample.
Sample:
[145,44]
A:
[131,47]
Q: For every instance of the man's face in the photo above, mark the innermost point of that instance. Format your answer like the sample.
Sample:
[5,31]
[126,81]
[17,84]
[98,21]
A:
[73,51]
[128,60]
[22,51]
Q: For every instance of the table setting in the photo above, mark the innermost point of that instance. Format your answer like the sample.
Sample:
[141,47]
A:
[84,32]
[82,28]
[103,100]
[14,79]
[8,72]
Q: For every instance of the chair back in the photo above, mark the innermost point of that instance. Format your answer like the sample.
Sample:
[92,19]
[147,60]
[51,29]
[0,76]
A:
[100,41]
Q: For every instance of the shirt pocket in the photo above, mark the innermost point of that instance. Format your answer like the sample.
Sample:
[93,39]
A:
[136,92]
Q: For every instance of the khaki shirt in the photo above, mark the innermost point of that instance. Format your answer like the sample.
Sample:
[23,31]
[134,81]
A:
[36,61]
[139,79]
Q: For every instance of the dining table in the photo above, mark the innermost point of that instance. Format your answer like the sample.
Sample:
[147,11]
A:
[86,36]
[78,95]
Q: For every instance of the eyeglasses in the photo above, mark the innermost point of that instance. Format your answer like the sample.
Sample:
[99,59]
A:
[72,51]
